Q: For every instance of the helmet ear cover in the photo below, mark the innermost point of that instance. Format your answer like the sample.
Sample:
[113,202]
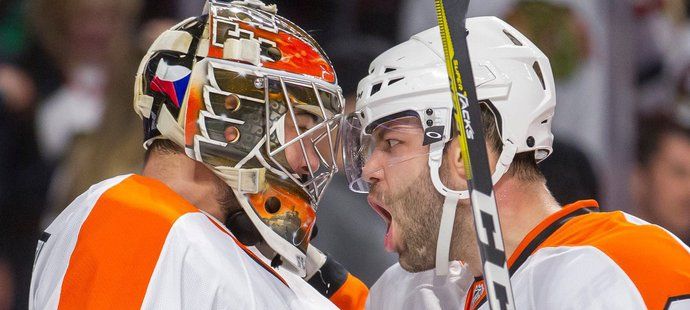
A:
[195,28]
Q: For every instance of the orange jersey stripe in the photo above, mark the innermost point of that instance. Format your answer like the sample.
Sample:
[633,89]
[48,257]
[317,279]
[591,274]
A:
[119,244]
[657,264]
[539,229]
[654,260]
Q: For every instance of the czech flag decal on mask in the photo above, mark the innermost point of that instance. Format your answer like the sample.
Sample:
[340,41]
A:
[172,81]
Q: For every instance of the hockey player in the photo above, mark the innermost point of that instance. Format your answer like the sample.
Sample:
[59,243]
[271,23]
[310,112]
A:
[400,148]
[239,107]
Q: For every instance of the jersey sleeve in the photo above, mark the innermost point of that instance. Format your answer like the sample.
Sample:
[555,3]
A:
[576,278]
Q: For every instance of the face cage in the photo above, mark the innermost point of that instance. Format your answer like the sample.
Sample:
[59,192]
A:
[319,179]
[273,82]
[359,144]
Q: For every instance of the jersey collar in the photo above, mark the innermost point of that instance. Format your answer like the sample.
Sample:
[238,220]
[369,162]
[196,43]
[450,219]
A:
[545,229]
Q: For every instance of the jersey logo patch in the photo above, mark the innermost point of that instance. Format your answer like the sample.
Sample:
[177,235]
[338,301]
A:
[478,295]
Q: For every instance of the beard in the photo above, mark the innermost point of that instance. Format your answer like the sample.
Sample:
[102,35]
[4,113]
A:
[417,211]
[226,198]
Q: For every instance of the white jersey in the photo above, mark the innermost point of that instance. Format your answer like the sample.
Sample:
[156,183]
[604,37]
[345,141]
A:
[130,242]
[575,259]
[398,289]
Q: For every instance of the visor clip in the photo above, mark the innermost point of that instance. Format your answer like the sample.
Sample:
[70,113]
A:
[259,83]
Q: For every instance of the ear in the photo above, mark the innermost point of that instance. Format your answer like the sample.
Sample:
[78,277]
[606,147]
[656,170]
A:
[453,156]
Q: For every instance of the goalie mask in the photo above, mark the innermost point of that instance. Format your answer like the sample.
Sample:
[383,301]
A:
[253,97]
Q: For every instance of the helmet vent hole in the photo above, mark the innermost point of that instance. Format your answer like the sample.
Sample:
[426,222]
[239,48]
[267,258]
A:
[273,53]
[376,88]
[388,70]
[232,102]
[540,74]
[232,134]
[512,38]
[272,205]
[393,81]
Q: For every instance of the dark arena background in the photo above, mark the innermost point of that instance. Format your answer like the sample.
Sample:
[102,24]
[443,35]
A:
[622,122]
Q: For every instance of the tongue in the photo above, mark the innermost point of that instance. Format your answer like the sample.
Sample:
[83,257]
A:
[388,240]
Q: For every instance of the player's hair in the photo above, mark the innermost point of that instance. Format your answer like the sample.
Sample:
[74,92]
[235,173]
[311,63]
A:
[161,146]
[524,166]
[652,129]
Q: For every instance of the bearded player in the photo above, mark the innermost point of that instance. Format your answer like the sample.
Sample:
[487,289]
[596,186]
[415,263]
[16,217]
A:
[401,149]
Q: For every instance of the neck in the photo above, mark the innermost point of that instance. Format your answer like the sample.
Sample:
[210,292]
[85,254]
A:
[190,179]
[521,207]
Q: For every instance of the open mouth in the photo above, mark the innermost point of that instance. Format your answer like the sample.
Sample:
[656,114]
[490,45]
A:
[388,219]
[385,215]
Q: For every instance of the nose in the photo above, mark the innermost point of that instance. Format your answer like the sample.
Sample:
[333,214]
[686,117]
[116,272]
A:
[298,162]
[372,172]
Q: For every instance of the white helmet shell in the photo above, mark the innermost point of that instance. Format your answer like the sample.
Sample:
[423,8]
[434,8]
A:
[513,77]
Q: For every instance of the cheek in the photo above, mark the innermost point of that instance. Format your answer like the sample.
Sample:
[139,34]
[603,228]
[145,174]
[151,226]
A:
[405,174]
[418,207]
[293,154]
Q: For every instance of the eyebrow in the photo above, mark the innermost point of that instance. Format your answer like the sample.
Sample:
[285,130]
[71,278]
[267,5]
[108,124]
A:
[381,130]
[369,129]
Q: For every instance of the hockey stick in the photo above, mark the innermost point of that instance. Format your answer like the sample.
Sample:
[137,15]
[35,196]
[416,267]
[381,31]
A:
[467,114]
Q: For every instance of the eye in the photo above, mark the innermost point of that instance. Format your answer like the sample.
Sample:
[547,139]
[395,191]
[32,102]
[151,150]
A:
[306,121]
[392,142]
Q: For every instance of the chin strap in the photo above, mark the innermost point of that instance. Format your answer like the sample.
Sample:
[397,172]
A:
[504,161]
[445,231]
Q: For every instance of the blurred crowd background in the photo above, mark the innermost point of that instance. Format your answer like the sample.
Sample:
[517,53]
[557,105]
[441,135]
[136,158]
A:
[622,120]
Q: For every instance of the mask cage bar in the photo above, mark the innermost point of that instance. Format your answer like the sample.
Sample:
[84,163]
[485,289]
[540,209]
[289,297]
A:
[294,122]
[314,187]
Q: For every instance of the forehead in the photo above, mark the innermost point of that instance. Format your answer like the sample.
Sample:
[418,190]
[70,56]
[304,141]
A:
[406,124]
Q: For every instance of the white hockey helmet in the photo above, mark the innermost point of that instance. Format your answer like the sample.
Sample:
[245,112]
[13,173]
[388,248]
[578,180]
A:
[513,79]
[408,89]
[231,87]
